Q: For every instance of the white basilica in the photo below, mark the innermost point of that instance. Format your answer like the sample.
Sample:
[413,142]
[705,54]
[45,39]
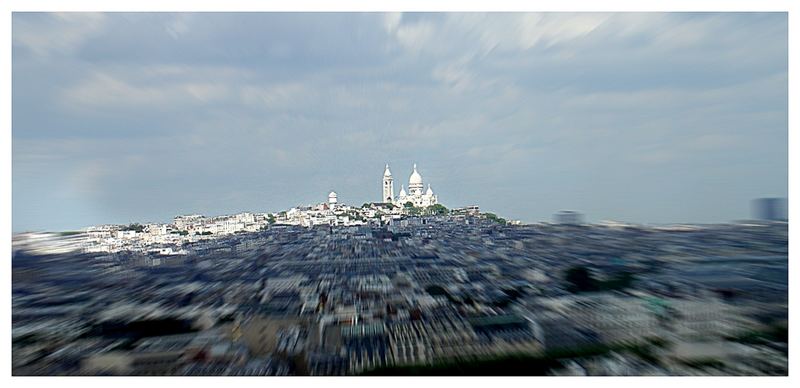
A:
[415,194]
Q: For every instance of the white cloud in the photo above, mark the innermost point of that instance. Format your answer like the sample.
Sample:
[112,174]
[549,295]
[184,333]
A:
[416,37]
[716,141]
[57,33]
[481,33]
[454,75]
[179,25]
[104,90]
[391,20]
[280,96]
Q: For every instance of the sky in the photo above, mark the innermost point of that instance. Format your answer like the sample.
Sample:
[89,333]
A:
[634,117]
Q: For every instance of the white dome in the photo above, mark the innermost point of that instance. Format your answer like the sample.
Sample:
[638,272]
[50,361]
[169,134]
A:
[402,191]
[332,195]
[430,191]
[415,178]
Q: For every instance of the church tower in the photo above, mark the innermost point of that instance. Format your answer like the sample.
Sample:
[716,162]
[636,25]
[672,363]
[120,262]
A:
[388,186]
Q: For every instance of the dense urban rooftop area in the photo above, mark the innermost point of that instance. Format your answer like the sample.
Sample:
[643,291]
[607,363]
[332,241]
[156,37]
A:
[339,290]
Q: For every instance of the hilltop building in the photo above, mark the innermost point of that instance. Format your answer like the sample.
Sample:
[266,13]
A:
[333,199]
[415,194]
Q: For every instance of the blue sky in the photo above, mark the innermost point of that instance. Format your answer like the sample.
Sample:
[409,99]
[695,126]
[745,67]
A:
[656,117]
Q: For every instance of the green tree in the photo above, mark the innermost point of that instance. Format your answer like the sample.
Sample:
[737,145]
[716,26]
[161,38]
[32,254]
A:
[495,218]
[135,227]
[438,209]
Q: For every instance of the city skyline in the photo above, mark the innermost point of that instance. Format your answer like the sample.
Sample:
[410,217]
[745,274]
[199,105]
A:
[632,117]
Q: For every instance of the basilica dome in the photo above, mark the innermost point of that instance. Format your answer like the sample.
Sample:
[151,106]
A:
[415,178]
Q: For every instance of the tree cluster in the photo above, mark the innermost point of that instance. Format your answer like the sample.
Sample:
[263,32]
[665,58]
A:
[135,227]
[495,218]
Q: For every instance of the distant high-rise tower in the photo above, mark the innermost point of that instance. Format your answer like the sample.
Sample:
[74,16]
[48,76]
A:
[388,186]
[568,217]
[770,209]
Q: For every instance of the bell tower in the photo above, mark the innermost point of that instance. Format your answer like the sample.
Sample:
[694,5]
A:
[388,186]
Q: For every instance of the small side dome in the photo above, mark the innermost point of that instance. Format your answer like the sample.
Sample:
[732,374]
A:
[429,191]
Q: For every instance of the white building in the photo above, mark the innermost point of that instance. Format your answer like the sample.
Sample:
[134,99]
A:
[415,193]
[332,200]
[186,222]
[157,229]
